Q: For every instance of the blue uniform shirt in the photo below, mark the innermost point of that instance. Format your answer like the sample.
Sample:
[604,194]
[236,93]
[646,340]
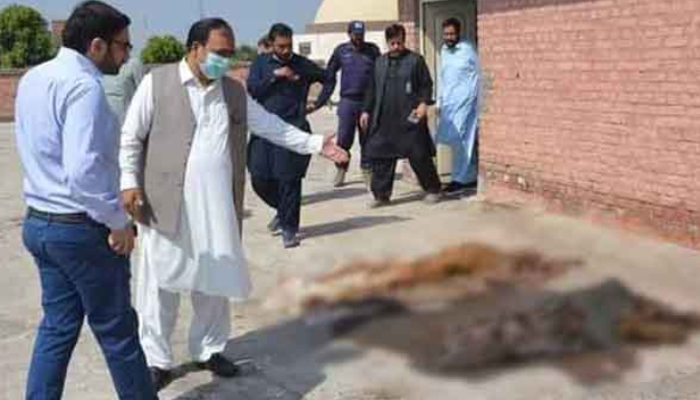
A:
[357,67]
[285,98]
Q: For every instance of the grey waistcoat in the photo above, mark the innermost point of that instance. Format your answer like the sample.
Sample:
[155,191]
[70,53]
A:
[170,140]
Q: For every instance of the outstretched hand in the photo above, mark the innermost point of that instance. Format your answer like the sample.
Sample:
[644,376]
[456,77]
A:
[333,152]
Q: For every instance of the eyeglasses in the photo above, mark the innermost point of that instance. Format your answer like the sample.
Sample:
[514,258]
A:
[125,45]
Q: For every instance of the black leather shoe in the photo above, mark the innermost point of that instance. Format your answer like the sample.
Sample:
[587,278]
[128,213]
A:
[458,188]
[160,377]
[290,239]
[220,366]
[274,225]
[379,201]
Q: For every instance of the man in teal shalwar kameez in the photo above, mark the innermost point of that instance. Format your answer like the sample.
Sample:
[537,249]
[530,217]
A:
[458,105]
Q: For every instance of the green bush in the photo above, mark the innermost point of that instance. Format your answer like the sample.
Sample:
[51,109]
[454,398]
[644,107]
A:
[246,53]
[162,50]
[24,37]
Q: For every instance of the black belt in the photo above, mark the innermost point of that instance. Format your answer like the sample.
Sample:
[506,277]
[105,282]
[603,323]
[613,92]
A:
[73,218]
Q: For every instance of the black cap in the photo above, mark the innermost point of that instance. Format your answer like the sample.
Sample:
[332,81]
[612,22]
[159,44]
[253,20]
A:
[357,27]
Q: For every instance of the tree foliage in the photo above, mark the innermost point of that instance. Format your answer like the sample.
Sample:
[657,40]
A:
[162,50]
[246,53]
[24,37]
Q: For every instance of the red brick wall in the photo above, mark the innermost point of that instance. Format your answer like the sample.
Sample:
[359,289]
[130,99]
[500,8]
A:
[412,36]
[408,15]
[8,87]
[594,109]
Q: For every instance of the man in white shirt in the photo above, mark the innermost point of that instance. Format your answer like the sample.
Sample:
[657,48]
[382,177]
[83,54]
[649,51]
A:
[183,170]
[76,229]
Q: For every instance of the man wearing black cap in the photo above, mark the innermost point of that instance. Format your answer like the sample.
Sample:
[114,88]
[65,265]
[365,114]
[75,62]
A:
[356,59]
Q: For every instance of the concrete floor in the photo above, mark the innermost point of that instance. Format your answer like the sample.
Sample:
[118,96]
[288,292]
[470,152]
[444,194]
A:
[292,359]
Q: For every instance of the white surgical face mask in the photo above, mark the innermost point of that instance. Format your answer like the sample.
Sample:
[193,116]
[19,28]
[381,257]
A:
[215,66]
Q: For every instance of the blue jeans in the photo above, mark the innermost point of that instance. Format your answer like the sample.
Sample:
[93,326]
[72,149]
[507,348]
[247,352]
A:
[82,277]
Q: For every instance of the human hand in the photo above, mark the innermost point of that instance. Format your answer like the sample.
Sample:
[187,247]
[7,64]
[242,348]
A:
[364,122]
[286,73]
[333,152]
[421,112]
[121,241]
[134,204]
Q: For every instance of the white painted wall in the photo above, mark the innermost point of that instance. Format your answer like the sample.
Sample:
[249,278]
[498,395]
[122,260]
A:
[323,44]
[364,10]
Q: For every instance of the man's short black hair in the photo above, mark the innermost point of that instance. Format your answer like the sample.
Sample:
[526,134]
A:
[264,41]
[200,31]
[280,30]
[395,31]
[453,22]
[91,20]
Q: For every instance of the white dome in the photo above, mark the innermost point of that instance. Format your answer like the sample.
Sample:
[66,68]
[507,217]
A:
[332,11]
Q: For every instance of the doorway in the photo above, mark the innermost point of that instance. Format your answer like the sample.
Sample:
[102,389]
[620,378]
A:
[434,13]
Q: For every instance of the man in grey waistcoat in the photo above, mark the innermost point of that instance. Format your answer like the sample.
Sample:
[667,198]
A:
[183,174]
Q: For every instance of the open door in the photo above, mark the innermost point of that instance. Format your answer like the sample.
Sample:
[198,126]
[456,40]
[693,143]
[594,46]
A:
[434,14]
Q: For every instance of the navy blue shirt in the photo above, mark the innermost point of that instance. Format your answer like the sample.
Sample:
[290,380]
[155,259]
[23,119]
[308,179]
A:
[283,97]
[357,66]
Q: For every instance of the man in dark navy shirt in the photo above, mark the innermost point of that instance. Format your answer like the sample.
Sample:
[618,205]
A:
[280,82]
[356,60]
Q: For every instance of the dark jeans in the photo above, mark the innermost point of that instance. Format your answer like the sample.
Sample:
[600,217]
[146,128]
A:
[384,171]
[82,277]
[349,112]
[283,196]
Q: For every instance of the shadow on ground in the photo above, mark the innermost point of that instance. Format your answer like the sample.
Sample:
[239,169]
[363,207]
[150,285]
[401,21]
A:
[286,363]
[348,224]
[415,196]
[592,334]
[337,194]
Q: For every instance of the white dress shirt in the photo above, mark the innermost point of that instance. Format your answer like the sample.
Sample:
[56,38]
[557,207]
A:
[68,140]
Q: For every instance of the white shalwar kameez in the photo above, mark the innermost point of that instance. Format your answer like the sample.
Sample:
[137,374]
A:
[205,257]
